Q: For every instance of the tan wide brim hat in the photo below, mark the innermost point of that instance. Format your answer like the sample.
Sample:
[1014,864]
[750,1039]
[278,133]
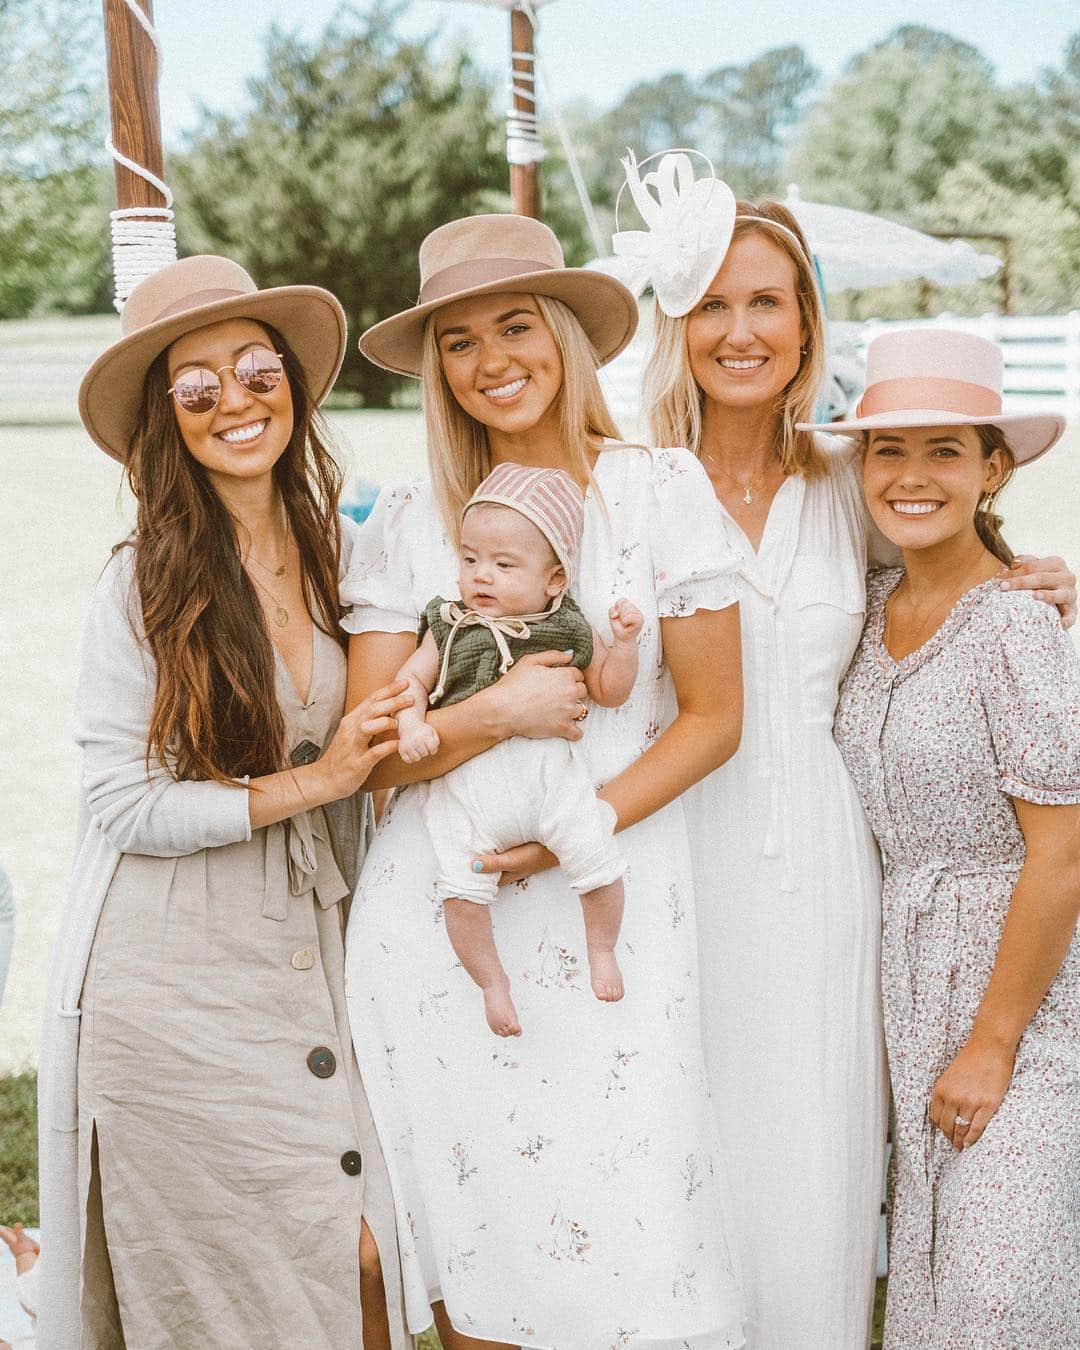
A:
[482,255]
[190,294]
[930,377]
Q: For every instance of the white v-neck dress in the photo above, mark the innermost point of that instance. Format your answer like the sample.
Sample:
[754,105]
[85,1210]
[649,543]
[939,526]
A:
[788,885]
[564,1189]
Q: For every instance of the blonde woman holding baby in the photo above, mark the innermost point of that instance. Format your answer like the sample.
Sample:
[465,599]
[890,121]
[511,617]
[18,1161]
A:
[560,1188]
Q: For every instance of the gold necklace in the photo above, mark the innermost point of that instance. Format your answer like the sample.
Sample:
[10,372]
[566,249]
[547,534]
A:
[748,487]
[938,608]
[280,613]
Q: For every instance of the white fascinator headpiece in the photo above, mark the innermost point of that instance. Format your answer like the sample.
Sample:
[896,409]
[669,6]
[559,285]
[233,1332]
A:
[689,223]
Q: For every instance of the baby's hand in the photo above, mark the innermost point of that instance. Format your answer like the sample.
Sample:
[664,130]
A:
[626,620]
[415,743]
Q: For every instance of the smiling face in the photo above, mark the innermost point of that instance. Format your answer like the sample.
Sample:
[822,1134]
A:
[245,434]
[507,564]
[744,335]
[501,361]
[923,485]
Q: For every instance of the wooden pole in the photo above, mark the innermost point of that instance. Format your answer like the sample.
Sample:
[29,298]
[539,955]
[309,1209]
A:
[524,178]
[133,102]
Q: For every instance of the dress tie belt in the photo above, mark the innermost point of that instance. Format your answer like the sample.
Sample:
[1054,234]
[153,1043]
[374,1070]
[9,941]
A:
[774,752]
[917,1018]
[308,865]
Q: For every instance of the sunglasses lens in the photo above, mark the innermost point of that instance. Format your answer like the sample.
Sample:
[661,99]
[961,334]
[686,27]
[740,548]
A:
[197,391]
[259,371]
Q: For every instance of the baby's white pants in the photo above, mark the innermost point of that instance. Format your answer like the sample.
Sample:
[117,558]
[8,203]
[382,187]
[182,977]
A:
[519,791]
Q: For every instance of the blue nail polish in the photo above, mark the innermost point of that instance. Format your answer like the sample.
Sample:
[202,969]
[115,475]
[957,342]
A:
[478,866]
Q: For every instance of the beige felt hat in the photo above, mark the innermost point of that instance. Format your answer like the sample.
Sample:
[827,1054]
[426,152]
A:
[190,294]
[482,255]
[928,377]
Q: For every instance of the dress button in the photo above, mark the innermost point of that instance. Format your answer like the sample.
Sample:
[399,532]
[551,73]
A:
[321,1062]
[307,752]
[304,959]
[351,1162]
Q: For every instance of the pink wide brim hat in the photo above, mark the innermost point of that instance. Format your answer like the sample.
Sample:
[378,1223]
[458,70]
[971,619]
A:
[929,377]
[550,498]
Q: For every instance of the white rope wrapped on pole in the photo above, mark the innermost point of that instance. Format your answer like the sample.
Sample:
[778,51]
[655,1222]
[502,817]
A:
[143,236]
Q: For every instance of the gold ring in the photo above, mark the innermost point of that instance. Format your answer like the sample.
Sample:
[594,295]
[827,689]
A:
[583,713]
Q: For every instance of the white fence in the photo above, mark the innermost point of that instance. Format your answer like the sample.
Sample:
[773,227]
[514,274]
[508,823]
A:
[1042,359]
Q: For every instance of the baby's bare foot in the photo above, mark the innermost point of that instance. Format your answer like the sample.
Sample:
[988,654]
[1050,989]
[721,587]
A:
[605,975]
[501,1014]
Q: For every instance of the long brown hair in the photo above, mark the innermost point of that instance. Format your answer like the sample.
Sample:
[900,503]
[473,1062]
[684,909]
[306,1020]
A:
[672,398]
[215,713]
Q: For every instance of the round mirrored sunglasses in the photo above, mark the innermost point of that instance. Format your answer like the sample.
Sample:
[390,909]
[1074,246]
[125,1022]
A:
[198,389]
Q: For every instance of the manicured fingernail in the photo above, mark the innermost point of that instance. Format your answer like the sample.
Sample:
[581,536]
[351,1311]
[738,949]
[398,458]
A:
[568,652]
[477,866]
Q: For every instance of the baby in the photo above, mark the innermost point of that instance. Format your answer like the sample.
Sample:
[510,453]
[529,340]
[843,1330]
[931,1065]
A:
[520,540]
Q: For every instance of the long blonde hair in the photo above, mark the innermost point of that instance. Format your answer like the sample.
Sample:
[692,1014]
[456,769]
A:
[674,400]
[459,453]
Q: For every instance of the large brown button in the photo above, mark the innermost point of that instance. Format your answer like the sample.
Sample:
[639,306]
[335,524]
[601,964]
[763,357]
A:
[351,1162]
[303,959]
[321,1062]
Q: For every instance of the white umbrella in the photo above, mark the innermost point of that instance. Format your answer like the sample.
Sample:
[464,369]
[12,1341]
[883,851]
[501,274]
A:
[857,250]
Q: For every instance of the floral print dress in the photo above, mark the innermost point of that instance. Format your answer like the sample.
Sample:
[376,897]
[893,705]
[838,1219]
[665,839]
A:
[984,1243]
[564,1189]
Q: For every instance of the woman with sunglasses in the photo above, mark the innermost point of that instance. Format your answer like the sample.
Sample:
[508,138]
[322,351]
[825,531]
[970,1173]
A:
[561,1188]
[210,1171]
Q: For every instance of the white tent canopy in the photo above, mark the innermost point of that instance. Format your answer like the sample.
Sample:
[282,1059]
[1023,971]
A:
[858,250]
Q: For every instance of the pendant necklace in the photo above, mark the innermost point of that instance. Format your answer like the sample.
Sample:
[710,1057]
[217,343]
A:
[279,614]
[751,486]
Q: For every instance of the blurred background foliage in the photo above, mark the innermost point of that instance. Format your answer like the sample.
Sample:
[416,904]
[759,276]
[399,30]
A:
[358,142]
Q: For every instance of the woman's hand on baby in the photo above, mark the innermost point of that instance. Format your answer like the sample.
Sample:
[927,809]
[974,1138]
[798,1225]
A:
[626,620]
[350,756]
[516,864]
[1049,578]
[541,695]
[417,741]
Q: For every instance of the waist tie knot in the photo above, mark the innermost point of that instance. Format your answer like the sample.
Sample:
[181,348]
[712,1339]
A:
[308,865]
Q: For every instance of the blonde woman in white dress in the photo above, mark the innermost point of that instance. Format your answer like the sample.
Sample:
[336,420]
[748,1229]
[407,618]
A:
[786,871]
[562,1189]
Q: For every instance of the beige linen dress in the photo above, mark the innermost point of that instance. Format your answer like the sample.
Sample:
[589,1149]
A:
[226,1147]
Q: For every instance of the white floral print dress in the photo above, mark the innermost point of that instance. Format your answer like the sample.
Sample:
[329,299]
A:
[561,1190]
[985,1243]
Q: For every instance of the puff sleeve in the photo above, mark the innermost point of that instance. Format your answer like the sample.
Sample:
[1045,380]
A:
[694,565]
[139,807]
[377,588]
[1031,692]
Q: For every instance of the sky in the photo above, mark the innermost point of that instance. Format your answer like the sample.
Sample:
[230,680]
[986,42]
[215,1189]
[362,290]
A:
[599,48]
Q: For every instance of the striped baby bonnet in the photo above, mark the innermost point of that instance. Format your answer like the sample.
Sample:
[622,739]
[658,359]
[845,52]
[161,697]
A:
[548,497]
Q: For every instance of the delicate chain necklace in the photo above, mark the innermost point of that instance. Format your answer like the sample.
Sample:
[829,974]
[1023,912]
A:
[280,613]
[278,571]
[938,608]
[752,485]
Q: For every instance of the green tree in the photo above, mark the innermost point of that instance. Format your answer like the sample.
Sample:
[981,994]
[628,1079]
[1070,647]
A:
[356,145]
[53,214]
[752,111]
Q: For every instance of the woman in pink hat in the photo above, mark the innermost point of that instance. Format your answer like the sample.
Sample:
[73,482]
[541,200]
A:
[210,1172]
[563,1188]
[785,867]
[959,721]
